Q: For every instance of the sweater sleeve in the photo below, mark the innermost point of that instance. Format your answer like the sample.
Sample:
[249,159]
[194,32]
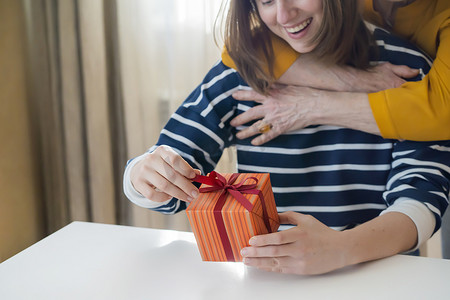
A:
[198,131]
[422,217]
[420,172]
[418,110]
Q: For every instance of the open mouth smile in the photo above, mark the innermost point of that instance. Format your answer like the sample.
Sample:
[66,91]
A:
[300,27]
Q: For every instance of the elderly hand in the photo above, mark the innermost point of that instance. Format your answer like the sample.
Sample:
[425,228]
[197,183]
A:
[381,77]
[164,174]
[309,248]
[293,107]
[286,108]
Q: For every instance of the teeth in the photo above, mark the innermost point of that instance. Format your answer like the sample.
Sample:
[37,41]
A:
[299,27]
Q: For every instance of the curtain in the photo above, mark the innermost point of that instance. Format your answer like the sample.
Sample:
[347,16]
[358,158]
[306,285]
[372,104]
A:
[75,110]
[104,77]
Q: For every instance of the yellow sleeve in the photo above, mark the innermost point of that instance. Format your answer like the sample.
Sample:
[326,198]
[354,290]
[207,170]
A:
[285,56]
[370,15]
[418,110]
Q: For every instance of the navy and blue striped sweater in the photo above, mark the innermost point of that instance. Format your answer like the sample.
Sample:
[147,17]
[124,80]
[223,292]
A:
[340,176]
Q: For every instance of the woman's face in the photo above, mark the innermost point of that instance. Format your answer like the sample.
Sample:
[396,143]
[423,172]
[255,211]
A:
[295,21]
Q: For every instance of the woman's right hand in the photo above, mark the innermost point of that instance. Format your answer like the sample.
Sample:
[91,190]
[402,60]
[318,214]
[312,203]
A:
[164,174]
[382,77]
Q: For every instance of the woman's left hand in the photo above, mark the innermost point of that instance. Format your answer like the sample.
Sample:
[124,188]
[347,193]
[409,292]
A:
[285,109]
[309,248]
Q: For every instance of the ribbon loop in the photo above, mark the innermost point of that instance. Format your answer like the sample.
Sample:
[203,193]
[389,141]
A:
[218,182]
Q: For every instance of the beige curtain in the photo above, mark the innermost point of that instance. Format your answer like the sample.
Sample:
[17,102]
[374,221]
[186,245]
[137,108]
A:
[75,109]
[104,76]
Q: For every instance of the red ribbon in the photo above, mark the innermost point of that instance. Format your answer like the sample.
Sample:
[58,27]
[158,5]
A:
[219,183]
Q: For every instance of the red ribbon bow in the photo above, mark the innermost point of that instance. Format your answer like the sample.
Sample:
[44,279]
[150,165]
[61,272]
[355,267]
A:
[217,182]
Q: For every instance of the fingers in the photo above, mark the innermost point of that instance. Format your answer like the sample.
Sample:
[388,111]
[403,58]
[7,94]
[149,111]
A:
[291,217]
[164,174]
[284,264]
[172,183]
[256,129]
[267,251]
[254,113]
[404,71]
[175,162]
[276,238]
[248,95]
[149,191]
[173,175]
[249,131]
[281,237]
[264,138]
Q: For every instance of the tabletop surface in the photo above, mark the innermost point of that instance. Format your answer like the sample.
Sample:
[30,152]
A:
[98,261]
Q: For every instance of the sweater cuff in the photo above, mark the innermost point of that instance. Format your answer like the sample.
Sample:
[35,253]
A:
[382,116]
[422,217]
[131,193]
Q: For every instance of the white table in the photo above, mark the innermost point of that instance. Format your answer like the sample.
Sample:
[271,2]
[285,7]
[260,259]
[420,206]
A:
[97,261]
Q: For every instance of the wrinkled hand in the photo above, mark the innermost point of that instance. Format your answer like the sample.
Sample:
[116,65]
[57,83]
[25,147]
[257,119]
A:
[382,77]
[164,174]
[292,107]
[287,108]
[309,248]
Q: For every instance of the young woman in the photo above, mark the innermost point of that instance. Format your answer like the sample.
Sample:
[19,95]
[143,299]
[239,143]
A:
[348,196]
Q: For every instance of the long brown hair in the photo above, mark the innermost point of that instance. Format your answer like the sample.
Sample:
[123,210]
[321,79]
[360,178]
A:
[342,38]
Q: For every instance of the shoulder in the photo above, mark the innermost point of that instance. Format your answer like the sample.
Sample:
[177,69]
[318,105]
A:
[220,73]
[398,51]
[217,85]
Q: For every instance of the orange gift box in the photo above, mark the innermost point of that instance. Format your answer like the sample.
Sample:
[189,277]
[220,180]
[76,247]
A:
[230,209]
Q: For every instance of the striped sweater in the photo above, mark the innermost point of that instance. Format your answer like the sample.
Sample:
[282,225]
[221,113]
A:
[340,176]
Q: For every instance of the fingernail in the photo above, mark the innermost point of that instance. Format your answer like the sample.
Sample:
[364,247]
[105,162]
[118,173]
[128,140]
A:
[252,241]
[244,252]
[194,194]
[189,199]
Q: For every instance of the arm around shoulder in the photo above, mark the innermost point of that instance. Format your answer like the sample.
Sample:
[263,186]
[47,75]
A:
[418,111]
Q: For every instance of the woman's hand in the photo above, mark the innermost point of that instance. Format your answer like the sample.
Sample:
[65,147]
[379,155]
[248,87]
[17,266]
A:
[309,248]
[381,77]
[313,248]
[286,108]
[164,174]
